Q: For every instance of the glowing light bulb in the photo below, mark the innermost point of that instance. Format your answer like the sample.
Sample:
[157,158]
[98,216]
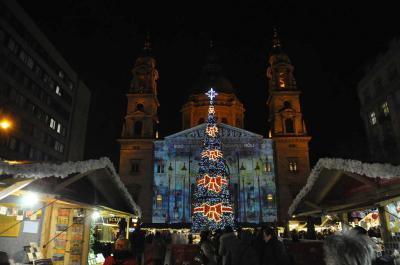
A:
[29,199]
[95,215]
[5,124]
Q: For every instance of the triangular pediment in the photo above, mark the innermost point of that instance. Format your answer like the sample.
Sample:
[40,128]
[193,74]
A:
[226,131]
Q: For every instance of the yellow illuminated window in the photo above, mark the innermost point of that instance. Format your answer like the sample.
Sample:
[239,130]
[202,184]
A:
[159,200]
[385,108]
[372,118]
[292,166]
[267,167]
[281,80]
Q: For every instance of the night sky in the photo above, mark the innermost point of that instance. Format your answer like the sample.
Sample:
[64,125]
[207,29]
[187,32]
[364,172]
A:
[329,44]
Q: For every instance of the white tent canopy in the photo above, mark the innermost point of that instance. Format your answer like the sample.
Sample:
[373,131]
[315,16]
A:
[101,173]
[338,184]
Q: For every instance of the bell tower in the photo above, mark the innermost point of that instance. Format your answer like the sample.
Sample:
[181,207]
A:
[287,128]
[139,130]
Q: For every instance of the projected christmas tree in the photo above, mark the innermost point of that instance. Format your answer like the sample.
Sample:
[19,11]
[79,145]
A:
[212,207]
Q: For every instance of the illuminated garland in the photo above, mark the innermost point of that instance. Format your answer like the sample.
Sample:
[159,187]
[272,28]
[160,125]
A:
[212,205]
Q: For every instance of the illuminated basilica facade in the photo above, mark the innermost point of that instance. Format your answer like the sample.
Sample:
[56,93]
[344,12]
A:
[265,173]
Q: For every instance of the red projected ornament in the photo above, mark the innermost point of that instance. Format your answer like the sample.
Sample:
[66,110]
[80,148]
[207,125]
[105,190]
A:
[212,154]
[212,131]
[212,183]
[213,212]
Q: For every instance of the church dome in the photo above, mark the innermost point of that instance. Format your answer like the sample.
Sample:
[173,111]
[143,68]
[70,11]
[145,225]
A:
[215,80]
[212,76]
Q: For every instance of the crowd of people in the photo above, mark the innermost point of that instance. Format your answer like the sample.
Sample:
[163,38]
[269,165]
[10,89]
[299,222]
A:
[259,247]
[227,248]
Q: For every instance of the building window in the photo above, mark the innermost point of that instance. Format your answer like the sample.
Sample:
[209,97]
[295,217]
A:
[270,200]
[160,167]
[52,123]
[267,167]
[135,166]
[159,201]
[385,108]
[58,90]
[137,130]
[139,107]
[59,147]
[292,166]
[289,125]
[59,128]
[282,80]
[372,118]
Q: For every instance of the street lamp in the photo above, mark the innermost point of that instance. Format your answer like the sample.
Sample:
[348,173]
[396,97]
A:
[170,169]
[5,124]
[257,169]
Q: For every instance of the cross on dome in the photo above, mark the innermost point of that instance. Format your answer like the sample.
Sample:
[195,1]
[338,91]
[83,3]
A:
[211,94]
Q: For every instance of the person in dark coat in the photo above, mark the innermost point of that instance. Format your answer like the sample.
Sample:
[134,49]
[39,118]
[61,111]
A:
[229,247]
[207,248]
[274,250]
[159,249]
[138,244]
[248,255]
[259,243]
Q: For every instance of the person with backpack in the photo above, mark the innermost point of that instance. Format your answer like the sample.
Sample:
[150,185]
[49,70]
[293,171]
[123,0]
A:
[122,254]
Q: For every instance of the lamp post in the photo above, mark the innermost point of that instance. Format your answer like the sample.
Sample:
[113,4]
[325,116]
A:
[257,169]
[170,169]
[244,193]
[183,191]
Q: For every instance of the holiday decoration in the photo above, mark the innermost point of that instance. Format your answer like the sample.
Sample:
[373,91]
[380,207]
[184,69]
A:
[212,183]
[212,203]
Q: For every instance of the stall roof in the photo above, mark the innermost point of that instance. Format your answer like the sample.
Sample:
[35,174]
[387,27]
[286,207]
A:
[340,185]
[92,181]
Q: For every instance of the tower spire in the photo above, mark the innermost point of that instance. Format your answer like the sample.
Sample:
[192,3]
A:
[276,42]
[147,43]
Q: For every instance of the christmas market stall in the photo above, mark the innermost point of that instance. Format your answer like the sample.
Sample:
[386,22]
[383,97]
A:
[356,193]
[62,212]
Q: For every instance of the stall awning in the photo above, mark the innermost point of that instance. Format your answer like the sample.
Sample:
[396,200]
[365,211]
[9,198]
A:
[92,182]
[339,185]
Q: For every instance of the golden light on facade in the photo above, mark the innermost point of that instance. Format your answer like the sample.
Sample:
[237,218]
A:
[270,197]
[281,80]
[5,124]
